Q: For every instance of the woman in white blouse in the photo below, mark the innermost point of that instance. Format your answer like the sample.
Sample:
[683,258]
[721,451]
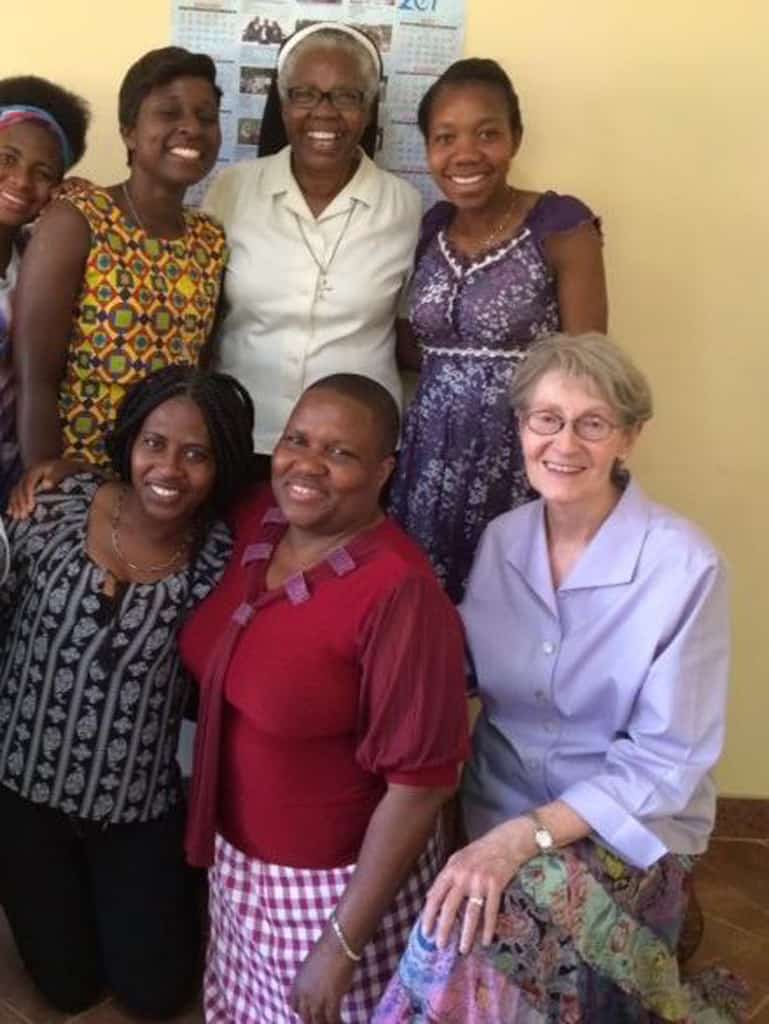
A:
[321,239]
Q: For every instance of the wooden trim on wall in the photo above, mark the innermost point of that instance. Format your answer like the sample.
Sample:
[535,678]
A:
[742,818]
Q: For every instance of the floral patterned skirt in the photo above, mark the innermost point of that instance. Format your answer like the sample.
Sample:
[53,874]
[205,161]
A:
[582,938]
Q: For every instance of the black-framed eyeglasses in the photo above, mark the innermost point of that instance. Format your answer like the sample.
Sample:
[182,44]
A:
[307,97]
[589,427]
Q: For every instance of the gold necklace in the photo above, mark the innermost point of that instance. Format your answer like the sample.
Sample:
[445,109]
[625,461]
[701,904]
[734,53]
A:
[181,223]
[506,218]
[145,570]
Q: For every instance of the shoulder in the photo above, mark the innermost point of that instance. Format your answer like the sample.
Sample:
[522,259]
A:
[438,216]
[554,213]
[395,192]
[402,581]
[674,543]
[205,227]
[70,501]
[67,216]
[246,517]
[512,524]
[400,554]
[216,549]
[237,184]
[86,197]
[243,174]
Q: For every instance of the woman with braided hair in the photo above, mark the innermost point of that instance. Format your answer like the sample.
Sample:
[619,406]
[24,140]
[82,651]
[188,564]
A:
[92,872]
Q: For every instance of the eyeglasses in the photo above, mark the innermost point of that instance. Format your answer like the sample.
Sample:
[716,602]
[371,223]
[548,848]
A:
[307,97]
[589,427]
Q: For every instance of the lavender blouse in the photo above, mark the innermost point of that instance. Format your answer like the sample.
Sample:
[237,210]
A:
[608,693]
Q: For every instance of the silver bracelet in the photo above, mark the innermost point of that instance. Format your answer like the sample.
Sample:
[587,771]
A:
[349,952]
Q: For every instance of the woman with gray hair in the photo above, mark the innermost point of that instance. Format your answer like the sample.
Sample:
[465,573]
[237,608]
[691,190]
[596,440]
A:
[598,626]
[321,239]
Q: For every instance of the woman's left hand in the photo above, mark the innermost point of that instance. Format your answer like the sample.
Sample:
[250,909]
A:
[322,982]
[477,876]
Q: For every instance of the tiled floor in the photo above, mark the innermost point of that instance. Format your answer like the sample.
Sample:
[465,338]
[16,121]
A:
[733,885]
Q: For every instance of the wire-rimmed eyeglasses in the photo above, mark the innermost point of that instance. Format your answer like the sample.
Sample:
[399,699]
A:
[588,427]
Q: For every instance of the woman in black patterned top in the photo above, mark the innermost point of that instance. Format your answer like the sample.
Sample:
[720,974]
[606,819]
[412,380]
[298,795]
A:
[92,875]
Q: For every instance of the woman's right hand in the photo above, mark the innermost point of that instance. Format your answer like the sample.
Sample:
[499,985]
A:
[475,877]
[43,477]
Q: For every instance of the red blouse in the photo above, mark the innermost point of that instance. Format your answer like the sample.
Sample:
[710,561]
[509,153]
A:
[347,678]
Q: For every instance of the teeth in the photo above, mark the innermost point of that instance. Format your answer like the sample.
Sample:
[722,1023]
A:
[164,492]
[13,200]
[323,136]
[556,467]
[467,181]
[301,491]
[186,154]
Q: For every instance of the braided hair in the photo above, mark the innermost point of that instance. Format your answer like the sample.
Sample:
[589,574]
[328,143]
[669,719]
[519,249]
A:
[227,411]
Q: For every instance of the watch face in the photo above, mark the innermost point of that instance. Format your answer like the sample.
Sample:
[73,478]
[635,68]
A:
[543,839]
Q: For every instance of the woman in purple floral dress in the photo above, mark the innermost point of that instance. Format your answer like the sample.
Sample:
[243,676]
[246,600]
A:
[497,268]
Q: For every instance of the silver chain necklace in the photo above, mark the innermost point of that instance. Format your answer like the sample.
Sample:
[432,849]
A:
[135,213]
[322,286]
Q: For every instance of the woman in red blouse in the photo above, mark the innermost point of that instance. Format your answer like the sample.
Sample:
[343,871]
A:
[332,725]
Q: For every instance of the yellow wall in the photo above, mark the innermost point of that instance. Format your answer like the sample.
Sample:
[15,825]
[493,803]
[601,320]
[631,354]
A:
[655,114]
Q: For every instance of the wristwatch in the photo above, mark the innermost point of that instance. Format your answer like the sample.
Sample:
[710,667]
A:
[543,837]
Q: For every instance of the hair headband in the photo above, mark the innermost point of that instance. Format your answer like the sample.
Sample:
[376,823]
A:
[337,26]
[19,113]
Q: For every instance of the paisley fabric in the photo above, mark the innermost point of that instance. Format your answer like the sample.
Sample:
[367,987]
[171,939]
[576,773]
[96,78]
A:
[581,938]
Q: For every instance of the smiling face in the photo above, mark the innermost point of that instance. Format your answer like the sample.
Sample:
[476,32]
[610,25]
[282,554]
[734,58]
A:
[176,136]
[172,462]
[30,168]
[562,467]
[329,467]
[470,144]
[324,138]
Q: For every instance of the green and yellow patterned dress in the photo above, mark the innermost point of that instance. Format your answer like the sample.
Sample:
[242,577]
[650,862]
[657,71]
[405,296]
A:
[145,303]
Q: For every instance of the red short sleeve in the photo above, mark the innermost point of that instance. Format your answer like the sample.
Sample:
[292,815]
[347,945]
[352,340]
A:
[413,711]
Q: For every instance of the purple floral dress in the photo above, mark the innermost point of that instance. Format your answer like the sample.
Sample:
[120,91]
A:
[460,463]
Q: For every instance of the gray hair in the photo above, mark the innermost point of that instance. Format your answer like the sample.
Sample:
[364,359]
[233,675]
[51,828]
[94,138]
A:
[594,357]
[329,38]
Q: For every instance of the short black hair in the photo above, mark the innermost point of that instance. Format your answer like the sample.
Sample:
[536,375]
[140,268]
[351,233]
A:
[68,110]
[376,398]
[159,67]
[472,71]
[228,413]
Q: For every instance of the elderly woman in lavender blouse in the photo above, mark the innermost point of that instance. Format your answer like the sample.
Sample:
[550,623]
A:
[598,626]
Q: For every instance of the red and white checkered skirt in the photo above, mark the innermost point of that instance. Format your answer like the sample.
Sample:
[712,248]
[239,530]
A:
[264,919]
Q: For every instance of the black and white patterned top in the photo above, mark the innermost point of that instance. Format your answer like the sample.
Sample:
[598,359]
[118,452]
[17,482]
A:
[91,686]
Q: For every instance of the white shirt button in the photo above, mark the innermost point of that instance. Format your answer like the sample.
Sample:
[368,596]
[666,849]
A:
[548,647]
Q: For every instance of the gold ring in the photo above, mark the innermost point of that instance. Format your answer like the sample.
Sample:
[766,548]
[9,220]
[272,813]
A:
[477,900]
